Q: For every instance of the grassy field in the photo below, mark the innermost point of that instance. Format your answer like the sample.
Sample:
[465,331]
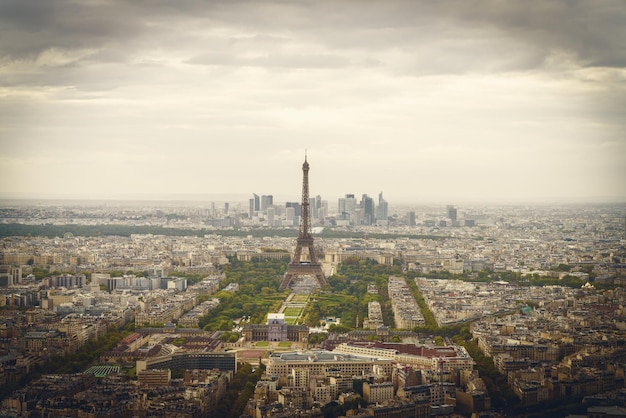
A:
[262,344]
[293,311]
[284,344]
[300,298]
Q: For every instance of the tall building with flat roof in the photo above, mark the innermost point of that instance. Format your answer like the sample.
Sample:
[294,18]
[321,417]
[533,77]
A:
[347,205]
[297,208]
[382,211]
[451,212]
[266,202]
[410,218]
[251,208]
[367,206]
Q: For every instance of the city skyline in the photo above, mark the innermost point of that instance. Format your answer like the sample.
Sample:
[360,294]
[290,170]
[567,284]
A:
[445,102]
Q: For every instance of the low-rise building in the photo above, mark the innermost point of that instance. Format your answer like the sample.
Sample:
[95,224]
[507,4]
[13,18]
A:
[323,363]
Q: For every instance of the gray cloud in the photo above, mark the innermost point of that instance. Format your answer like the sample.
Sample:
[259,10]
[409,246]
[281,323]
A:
[439,93]
[592,31]
[32,26]
[282,60]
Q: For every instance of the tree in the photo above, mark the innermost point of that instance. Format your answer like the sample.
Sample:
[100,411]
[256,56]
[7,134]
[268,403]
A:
[338,329]
[563,267]
[313,317]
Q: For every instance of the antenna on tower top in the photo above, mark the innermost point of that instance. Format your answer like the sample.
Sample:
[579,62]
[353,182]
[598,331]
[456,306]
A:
[305,154]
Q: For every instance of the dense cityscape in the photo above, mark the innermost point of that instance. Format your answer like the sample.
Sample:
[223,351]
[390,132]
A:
[166,308]
[461,251]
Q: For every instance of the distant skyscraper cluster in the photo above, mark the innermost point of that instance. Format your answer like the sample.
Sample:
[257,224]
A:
[265,211]
[350,211]
[364,212]
[260,204]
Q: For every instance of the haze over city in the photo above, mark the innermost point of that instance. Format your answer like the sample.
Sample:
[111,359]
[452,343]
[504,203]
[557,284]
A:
[426,101]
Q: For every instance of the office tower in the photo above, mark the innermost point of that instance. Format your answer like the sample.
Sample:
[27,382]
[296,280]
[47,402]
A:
[347,204]
[312,207]
[251,209]
[257,205]
[270,216]
[410,219]
[451,212]
[318,207]
[382,209]
[266,202]
[296,207]
[290,214]
[367,205]
[226,208]
[323,212]
[309,267]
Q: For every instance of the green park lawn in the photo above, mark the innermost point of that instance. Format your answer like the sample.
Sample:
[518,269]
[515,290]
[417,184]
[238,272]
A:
[300,298]
[296,312]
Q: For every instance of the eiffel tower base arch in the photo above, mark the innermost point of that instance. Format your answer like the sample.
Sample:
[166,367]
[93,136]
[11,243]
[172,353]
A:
[298,270]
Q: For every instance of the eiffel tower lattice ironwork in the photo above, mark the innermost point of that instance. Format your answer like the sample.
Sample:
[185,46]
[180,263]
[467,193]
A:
[309,266]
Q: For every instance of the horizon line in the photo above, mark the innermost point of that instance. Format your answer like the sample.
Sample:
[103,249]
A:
[243,198]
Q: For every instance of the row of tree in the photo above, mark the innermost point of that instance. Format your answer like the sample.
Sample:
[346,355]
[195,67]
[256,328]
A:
[350,297]
[52,231]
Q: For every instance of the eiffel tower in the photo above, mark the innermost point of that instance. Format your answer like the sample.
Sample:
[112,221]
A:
[309,266]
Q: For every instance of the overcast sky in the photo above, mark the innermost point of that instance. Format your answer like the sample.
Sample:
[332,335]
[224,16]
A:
[425,101]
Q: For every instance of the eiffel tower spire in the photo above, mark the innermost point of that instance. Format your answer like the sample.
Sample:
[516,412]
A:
[298,266]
